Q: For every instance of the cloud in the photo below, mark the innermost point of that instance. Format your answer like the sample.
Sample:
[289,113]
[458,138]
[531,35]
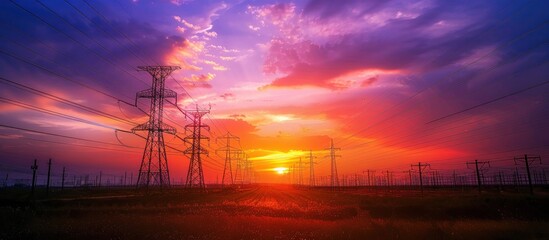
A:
[329,41]
[227,96]
[210,34]
[237,116]
[220,68]
[253,28]
[184,52]
[225,58]
[369,81]
[277,14]
[198,81]
[179,2]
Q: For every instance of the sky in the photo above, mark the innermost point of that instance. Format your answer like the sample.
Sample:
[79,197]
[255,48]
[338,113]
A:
[393,83]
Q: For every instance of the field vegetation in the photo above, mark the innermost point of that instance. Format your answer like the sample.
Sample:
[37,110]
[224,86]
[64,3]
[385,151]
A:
[272,212]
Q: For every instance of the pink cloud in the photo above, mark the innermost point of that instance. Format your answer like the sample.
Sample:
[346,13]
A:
[369,81]
[198,81]
[277,14]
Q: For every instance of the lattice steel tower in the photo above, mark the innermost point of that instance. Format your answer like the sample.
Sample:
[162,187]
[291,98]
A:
[311,169]
[334,178]
[195,175]
[154,164]
[230,153]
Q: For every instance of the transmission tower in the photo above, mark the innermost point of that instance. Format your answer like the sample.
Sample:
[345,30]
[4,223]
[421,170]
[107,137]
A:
[300,176]
[230,152]
[311,169]
[195,175]
[154,164]
[370,177]
[239,174]
[334,179]
[249,170]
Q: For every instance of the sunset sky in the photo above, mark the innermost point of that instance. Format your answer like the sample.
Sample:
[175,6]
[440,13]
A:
[392,82]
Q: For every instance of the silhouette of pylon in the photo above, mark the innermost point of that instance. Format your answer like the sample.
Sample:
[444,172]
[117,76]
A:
[334,179]
[195,174]
[154,163]
[239,172]
[311,169]
[230,153]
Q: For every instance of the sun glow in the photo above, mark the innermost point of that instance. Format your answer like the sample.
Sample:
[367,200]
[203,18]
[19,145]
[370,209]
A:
[280,170]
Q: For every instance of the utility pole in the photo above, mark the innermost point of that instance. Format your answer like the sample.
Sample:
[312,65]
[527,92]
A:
[454,178]
[63,180]
[388,179]
[48,181]
[34,167]
[478,169]
[154,163]
[6,180]
[369,177]
[311,169]
[300,180]
[410,177]
[230,151]
[528,160]
[195,174]
[100,175]
[421,167]
[334,180]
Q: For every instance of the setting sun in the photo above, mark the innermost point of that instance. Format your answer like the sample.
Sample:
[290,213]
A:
[281,170]
[278,119]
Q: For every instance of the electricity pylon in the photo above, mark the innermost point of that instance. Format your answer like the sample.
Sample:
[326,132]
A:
[230,152]
[195,174]
[311,169]
[154,163]
[248,170]
[370,177]
[300,176]
[334,179]
[239,171]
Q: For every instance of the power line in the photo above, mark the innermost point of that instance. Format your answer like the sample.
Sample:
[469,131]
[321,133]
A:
[490,101]
[72,38]
[522,35]
[54,113]
[65,101]
[512,75]
[56,135]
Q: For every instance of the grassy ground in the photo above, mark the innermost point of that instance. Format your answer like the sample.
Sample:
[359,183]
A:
[273,212]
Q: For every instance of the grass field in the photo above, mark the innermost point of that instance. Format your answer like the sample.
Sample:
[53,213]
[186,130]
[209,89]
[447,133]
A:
[273,212]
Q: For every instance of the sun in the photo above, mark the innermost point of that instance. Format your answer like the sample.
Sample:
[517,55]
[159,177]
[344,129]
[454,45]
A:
[280,170]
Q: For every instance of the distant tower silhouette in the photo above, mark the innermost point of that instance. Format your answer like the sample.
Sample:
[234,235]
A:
[154,164]
[334,179]
[311,169]
[195,175]
[239,175]
[230,151]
